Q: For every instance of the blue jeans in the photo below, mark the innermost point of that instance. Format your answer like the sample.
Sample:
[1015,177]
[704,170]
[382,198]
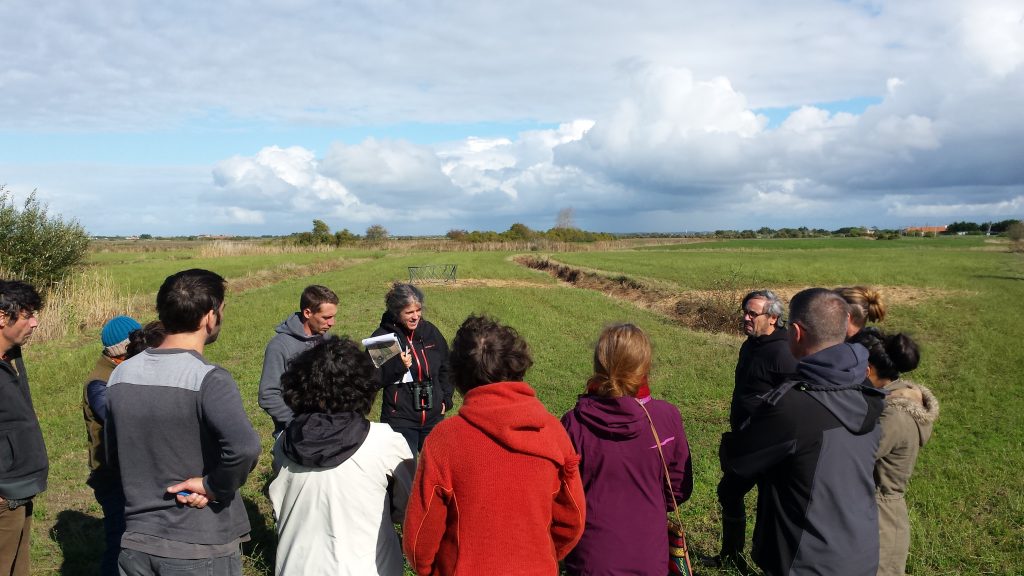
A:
[111,499]
[135,563]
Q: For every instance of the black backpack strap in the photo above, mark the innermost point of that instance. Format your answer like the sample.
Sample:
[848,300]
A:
[773,396]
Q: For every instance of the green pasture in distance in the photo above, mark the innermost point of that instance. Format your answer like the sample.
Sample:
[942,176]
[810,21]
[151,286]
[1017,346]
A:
[901,243]
[777,264]
[965,501]
[145,274]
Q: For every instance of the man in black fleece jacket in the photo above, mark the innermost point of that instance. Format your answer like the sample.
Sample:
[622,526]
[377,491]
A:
[179,437]
[764,362]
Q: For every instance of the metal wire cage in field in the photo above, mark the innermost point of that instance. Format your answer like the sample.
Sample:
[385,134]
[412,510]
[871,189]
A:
[433,274]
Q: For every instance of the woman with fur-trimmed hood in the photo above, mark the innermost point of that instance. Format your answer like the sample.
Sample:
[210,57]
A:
[906,422]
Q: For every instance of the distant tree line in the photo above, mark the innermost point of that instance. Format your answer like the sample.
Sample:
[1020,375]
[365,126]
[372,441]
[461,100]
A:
[565,231]
[519,232]
[321,235]
[1003,227]
[1000,227]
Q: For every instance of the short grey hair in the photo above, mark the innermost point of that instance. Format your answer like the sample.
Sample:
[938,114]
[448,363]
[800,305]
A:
[773,304]
[402,295]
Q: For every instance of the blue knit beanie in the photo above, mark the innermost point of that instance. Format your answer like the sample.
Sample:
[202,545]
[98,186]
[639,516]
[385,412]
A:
[115,334]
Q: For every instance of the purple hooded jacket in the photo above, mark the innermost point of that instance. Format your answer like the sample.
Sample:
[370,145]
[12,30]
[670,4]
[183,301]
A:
[624,482]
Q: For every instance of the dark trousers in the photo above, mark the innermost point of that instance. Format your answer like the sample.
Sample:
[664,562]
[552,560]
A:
[135,563]
[731,491]
[414,436]
[111,499]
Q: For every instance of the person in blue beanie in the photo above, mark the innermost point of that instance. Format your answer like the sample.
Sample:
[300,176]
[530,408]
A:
[115,338]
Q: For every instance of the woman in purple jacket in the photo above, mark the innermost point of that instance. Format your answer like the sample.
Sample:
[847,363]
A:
[622,471]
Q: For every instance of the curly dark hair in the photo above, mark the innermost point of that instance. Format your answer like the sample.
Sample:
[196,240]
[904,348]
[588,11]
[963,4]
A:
[333,376]
[485,352]
[149,336]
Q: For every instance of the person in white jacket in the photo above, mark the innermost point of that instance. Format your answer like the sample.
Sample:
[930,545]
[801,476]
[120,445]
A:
[342,481]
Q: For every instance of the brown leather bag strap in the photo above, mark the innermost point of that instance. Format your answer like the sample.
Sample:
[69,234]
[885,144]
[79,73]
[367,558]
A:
[664,464]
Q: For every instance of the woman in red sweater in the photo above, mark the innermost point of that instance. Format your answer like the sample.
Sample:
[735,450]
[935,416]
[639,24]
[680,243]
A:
[497,490]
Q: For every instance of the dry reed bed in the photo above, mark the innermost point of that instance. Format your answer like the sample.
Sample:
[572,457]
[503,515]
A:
[86,300]
[222,248]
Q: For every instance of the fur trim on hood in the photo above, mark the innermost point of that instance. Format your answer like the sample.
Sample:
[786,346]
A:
[917,401]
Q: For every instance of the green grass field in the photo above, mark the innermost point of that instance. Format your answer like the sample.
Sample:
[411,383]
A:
[960,297]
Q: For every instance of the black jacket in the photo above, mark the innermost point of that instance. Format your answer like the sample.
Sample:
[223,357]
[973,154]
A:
[23,462]
[764,362]
[430,362]
[811,447]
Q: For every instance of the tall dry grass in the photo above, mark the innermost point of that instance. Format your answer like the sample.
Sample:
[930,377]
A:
[221,248]
[141,246]
[86,300]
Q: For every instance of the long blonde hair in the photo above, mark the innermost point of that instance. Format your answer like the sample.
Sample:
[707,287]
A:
[622,361]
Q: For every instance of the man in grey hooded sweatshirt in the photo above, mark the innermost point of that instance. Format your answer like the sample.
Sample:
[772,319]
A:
[810,446]
[304,329]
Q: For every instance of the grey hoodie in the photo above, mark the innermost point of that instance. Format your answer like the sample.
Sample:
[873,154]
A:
[811,447]
[290,341]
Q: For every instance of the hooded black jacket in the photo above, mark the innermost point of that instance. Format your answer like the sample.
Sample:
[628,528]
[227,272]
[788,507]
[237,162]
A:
[324,440]
[811,447]
[430,361]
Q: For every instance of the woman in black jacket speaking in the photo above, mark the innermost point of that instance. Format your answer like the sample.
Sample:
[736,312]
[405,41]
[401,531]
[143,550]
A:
[415,383]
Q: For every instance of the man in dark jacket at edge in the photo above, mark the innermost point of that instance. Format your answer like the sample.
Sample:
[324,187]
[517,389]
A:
[764,362]
[810,446]
[297,333]
[23,462]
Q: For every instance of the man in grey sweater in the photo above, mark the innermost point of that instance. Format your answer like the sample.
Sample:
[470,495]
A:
[180,440]
[304,329]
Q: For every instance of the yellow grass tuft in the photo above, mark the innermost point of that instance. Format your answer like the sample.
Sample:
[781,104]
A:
[85,300]
[222,248]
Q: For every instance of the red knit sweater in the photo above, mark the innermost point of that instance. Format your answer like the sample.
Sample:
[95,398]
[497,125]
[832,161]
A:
[497,490]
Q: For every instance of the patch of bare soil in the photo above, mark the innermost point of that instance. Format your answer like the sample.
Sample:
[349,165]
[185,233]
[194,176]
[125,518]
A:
[703,310]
